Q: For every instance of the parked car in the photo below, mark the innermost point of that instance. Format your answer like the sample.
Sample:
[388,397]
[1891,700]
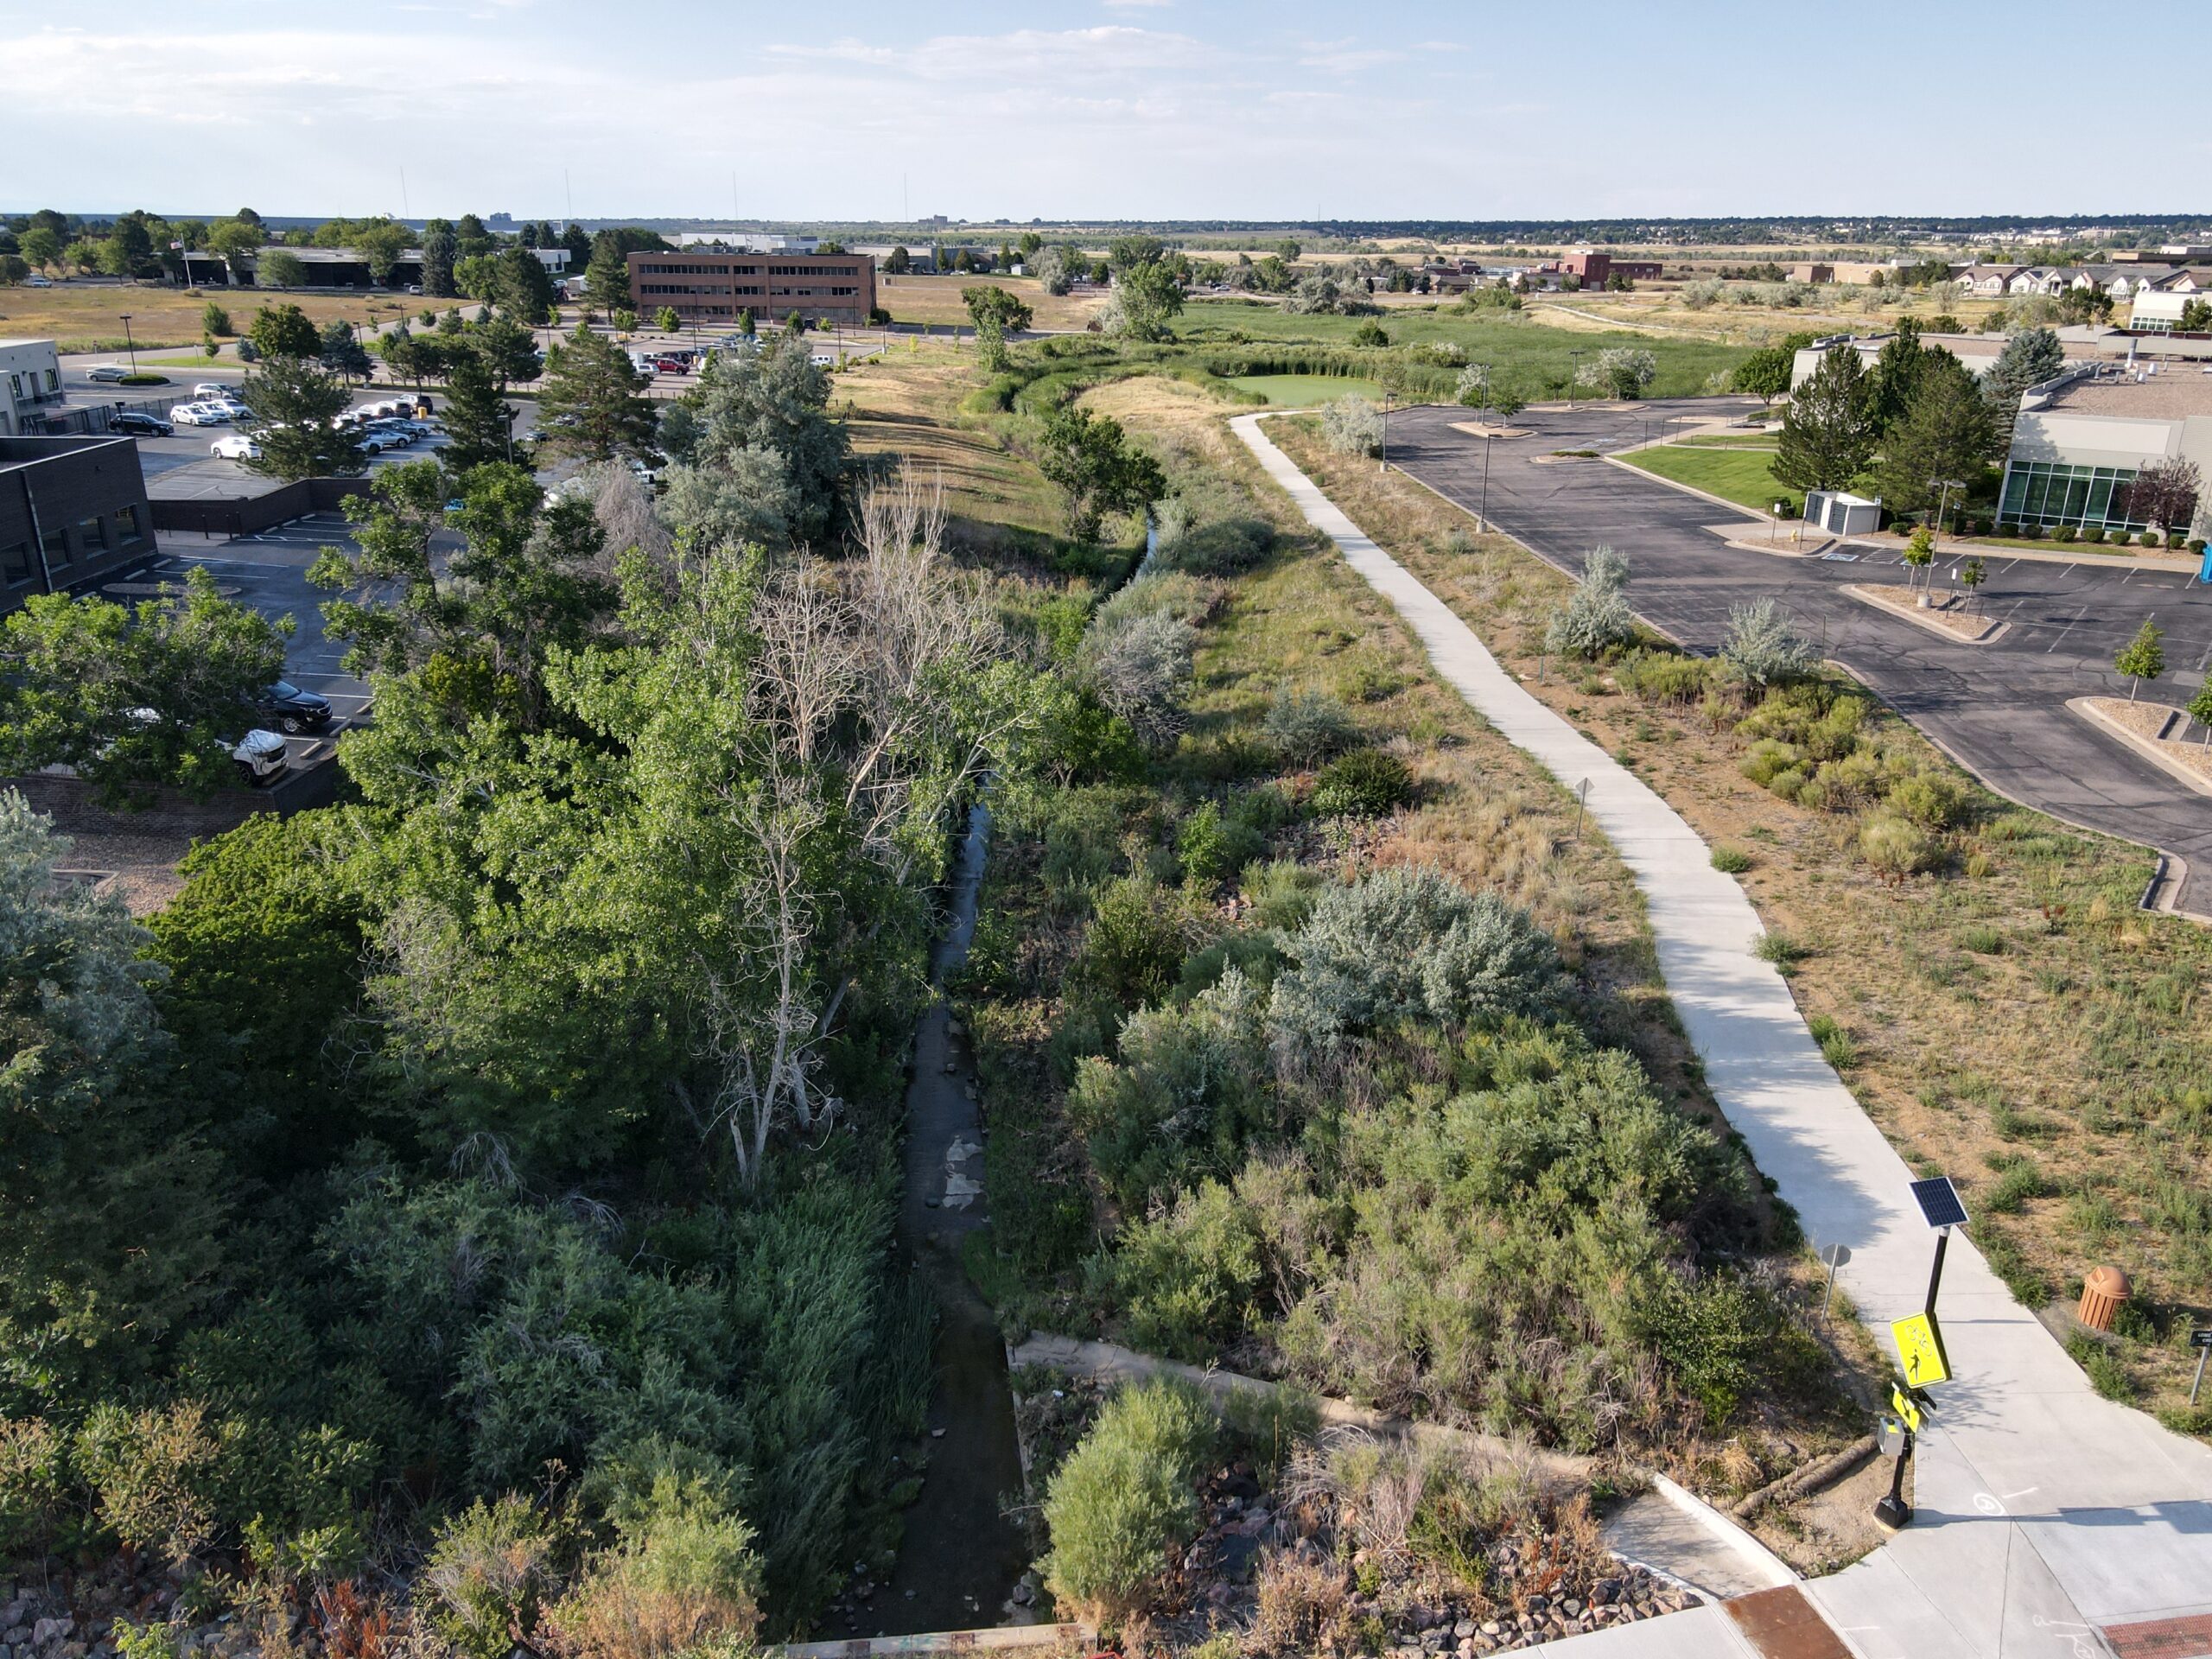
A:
[107,371]
[200,414]
[294,709]
[34,280]
[221,394]
[136,425]
[261,757]
[235,446]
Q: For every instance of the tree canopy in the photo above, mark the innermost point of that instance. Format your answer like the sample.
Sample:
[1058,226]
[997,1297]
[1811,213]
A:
[1829,431]
[593,403]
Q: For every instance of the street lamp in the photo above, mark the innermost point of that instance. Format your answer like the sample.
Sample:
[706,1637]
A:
[131,343]
[1482,518]
[1576,378]
[1946,485]
[1382,450]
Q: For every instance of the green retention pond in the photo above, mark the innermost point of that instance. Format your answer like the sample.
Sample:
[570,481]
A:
[1304,391]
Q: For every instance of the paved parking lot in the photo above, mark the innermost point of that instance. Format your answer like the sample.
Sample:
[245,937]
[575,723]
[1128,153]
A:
[1998,709]
[268,572]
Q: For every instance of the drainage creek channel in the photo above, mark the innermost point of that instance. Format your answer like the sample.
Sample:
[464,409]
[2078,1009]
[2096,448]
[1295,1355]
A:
[961,1556]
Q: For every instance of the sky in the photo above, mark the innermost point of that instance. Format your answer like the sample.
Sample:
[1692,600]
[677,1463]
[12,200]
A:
[1102,109]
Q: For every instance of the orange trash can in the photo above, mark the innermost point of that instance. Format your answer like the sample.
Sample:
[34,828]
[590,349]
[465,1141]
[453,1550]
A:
[2102,1293]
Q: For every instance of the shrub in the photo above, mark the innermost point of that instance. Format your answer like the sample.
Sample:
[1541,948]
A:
[1269,1425]
[1836,1044]
[2016,1184]
[153,1474]
[33,1481]
[1665,676]
[1189,1278]
[1895,846]
[1730,860]
[2093,534]
[1781,948]
[1189,1089]
[489,1575]
[1370,334]
[1138,662]
[1352,426]
[1932,799]
[1306,726]
[2062,533]
[1761,647]
[1219,547]
[1400,945]
[1124,1499]
[1365,784]
[1208,847]
[1768,760]
[682,1574]
[1596,618]
[1138,936]
[1281,893]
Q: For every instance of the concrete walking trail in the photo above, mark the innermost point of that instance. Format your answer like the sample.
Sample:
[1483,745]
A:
[2047,1518]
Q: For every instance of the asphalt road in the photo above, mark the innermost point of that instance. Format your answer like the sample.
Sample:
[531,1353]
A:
[1998,709]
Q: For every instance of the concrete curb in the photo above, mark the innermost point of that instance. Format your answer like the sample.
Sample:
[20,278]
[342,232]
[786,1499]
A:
[2087,709]
[1731,1534]
[1005,1638]
[1865,593]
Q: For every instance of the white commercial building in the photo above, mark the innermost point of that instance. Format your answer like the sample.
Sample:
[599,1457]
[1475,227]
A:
[30,374]
[2078,445]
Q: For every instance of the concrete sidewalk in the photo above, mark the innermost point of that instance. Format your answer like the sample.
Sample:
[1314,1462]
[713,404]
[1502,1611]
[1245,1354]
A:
[2045,1513]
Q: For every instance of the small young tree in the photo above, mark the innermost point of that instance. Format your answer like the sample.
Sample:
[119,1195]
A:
[666,320]
[1764,374]
[1971,577]
[1473,388]
[2144,658]
[995,312]
[2200,709]
[1919,553]
[215,320]
[2164,492]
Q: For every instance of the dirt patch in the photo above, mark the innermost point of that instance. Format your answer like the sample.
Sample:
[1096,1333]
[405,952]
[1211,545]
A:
[1828,1530]
[1946,615]
[1488,430]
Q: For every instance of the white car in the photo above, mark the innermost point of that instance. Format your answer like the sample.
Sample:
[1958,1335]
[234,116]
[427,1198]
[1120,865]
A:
[235,446]
[261,756]
[213,393]
[107,371]
[200,414]
[36,280]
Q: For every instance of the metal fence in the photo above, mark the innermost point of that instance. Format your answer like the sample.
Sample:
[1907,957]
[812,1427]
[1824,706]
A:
[93,420]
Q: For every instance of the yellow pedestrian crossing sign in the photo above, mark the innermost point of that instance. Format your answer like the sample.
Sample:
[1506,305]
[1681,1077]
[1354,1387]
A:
[1907,1408]
[1920,1351]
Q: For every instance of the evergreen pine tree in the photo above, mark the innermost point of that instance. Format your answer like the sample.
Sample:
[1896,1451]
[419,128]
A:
[477,422]
[1827,433]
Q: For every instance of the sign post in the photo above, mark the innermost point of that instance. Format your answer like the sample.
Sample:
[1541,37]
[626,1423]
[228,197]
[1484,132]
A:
[1835,1256]
[2200,1339]
[1920,1345]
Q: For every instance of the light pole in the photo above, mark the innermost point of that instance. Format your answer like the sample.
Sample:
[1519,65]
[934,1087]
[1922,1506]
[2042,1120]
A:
[131,343]
[1946,485]
[1382,449]
[1576,376]
[1482,518]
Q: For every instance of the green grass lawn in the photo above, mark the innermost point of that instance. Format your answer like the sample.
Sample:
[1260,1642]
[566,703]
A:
[1732,441]
[1739,475]
[1524,355]
[1303,391]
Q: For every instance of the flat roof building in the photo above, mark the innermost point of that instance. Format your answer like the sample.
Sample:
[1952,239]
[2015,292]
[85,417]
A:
[2079,442]
[30,374]
[713,287]
[72,509]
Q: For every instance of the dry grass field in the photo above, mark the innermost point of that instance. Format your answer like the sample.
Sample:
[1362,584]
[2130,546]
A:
[80,316]
[936,300]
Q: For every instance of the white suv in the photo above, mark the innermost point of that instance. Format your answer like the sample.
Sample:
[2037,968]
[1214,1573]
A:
[260,756]
[201,413]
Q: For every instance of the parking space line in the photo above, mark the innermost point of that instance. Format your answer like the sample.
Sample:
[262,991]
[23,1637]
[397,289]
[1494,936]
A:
[2068,629]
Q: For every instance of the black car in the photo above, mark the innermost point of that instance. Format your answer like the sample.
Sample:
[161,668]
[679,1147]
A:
[140,426]
[296,710]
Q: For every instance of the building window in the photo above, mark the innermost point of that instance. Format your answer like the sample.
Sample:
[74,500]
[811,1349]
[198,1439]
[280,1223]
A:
[91,535]
[56,543]
[126,523]
[2050,493]
[16,564]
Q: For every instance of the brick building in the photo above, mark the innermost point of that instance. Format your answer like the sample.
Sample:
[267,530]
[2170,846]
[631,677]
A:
[1596,269]
[72,509]
[713,287]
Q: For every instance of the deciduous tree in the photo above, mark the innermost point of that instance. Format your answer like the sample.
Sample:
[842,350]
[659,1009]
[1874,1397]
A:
[284,331]
[1098,471]
[2143,657]
[994,311]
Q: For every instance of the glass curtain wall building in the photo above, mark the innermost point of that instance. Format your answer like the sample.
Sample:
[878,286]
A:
[2052,493]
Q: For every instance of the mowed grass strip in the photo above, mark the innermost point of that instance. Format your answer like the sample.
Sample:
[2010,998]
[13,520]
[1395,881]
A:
[1744,476]
[89,317]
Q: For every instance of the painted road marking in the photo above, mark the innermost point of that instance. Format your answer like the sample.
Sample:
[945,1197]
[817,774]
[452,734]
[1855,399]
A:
[2068,629]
